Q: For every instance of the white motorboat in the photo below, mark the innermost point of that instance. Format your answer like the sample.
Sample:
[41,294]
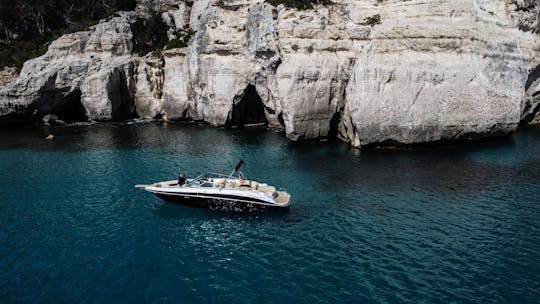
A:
[221,192]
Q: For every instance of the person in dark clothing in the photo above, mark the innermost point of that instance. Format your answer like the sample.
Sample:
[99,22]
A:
[182,179]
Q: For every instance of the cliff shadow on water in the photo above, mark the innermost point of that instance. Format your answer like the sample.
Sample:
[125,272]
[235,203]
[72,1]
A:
[455,171]
[248,110]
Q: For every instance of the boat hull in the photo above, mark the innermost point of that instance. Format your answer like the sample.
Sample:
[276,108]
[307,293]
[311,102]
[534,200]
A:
[230,203]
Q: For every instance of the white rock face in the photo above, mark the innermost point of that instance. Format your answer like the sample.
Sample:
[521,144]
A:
[428,81]
[390,72]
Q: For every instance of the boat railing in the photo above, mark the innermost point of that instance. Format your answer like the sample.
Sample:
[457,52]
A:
[213,175]
[218,174]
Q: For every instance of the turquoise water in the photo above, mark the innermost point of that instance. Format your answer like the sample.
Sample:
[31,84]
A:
[458,224]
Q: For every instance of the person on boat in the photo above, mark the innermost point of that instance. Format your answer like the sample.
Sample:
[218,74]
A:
[182,179]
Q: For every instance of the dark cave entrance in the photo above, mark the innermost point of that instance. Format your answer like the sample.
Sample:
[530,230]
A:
[74,110]
[248,111]
[61,102]
[333,130]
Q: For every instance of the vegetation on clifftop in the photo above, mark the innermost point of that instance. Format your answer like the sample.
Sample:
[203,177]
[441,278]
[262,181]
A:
[151,35]
[181,40]
[298,4]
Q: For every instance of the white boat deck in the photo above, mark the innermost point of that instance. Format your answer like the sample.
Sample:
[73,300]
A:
[279,197]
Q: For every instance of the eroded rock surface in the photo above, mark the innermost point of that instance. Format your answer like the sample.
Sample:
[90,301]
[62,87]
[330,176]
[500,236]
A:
[371,72]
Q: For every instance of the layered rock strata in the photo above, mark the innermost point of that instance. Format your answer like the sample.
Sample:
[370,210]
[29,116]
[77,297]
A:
[371,72]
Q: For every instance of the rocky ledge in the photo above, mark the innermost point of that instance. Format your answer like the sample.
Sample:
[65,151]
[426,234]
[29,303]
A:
[372,72]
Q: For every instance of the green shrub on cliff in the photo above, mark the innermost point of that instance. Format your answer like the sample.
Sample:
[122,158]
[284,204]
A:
[181,40]
[299,4]
[149,35]
[373,20]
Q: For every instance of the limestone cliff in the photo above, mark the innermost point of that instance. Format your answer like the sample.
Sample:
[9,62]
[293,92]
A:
[370,71]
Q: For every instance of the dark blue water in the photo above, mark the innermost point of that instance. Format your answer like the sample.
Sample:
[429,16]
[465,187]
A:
[458,224]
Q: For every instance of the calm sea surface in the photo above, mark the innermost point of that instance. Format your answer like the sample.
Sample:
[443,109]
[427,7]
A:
[457,225]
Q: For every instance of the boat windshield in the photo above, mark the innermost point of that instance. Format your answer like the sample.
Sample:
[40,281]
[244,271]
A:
[212,175]
[200,183]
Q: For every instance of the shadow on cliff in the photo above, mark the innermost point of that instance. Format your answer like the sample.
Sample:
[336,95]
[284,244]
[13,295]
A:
[121,96]
[62,102]
[531,106]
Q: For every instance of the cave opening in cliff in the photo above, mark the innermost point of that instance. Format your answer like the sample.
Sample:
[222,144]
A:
[248,111]
[333,130]
[62,102]
[74,111]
